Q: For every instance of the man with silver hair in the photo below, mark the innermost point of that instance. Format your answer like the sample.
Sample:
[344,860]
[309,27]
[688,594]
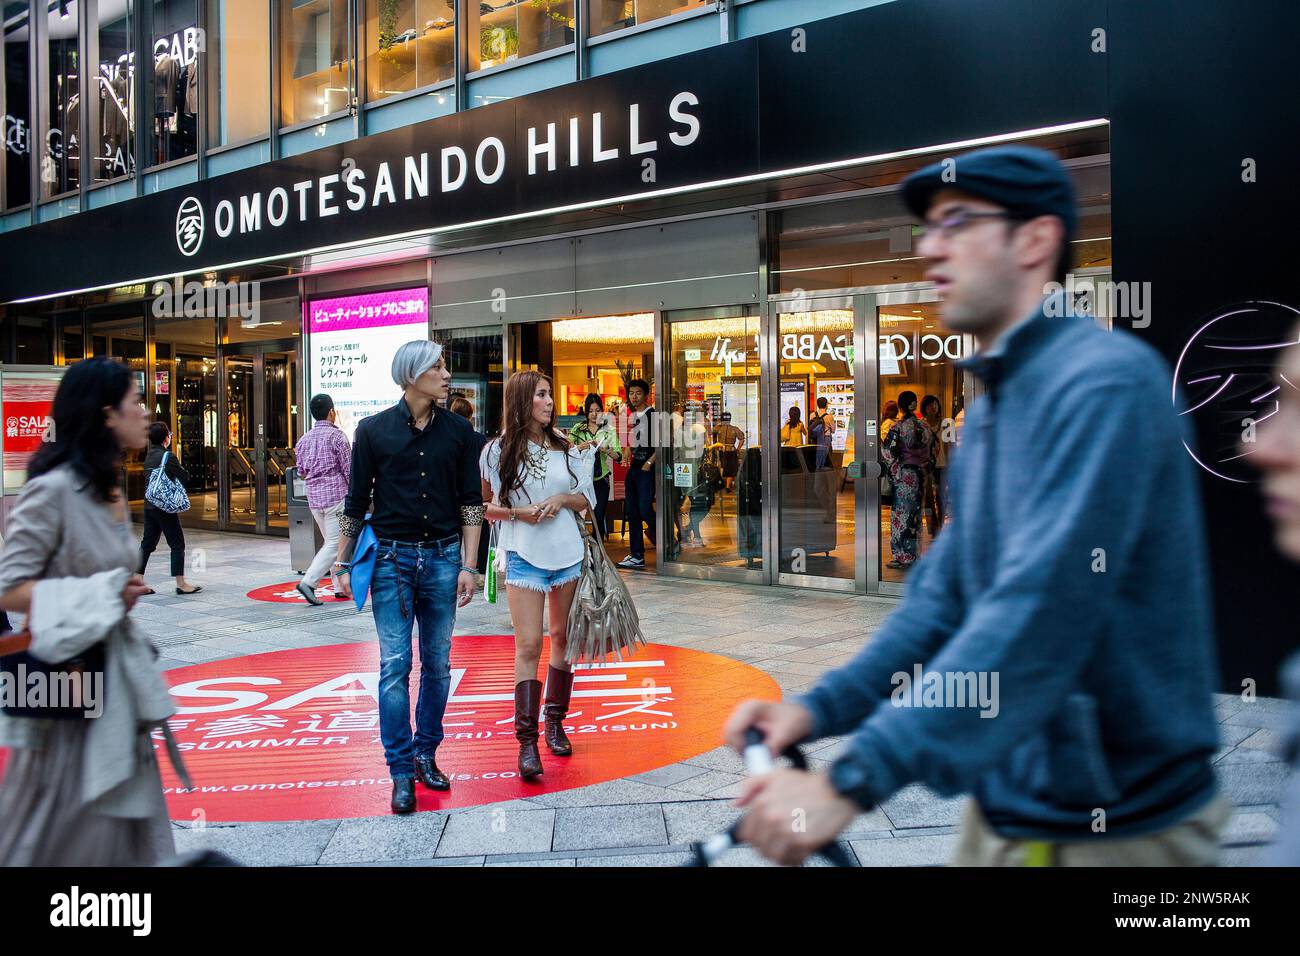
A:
[417,465]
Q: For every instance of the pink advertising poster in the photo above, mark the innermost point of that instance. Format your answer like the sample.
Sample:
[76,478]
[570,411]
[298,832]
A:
[351,341]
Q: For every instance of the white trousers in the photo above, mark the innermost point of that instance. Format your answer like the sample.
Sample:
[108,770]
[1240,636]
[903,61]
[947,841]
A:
[328,521]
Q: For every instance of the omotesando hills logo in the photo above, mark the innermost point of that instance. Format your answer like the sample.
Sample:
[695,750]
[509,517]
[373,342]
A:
[189,226]
[1225,376]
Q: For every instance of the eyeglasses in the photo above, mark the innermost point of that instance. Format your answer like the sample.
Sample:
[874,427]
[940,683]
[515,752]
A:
[954,222]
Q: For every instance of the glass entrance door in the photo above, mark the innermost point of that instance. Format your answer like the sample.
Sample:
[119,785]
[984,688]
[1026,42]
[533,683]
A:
[816,428]
[261,389]
[714,459]
[916,370]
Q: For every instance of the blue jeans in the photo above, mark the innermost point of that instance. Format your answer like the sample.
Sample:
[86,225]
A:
[413,582]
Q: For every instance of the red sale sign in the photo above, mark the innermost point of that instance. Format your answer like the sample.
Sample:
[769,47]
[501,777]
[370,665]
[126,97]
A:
[25,401]
[294,735]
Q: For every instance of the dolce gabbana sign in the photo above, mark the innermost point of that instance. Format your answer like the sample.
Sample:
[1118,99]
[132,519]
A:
[576,143]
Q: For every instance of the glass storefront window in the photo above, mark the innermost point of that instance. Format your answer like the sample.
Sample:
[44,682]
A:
[118,332]
[71,337]
[15,164]
[409,44]
[239,70]
[502,31]
[816,495]
[315,60]
[112,124]
[917,356]
[715,457]
[610,15]
[176,80]
[33,341]
[475,360]
[60,149]
[185,397]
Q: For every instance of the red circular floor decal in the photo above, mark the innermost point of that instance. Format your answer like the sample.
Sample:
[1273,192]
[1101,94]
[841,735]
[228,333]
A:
[294,735]
[288,593]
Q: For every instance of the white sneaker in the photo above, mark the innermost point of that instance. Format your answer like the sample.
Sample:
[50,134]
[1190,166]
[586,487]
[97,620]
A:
[632,562]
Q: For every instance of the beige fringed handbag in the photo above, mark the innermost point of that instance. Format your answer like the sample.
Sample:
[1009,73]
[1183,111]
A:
[602,620]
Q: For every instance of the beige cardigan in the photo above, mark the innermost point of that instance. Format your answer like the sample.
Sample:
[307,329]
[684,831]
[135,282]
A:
[80,557]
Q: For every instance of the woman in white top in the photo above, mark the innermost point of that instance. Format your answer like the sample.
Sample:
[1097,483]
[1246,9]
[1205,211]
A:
[537,484]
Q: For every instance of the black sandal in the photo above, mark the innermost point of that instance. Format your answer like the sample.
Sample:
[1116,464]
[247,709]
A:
[195,590]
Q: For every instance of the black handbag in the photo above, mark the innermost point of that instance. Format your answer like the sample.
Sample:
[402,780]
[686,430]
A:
[22,667]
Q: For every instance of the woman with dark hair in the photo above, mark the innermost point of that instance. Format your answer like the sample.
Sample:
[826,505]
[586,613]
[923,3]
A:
[935,502]
[158,523]
[907,453]
[794,433]
[538,483]
[595,432]
[80,791]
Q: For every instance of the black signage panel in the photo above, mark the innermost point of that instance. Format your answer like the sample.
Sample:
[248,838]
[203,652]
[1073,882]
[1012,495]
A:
[662,126]
[914,74]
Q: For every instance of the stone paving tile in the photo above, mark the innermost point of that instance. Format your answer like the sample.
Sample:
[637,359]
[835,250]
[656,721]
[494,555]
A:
[1245,755]
[917,806]
[1252,783]
[413,837]
[1230,735]
[748,857]
[638,859]
[261,844]
[809,655]
[720,758]
[787,666]
[448,861]
[1251,826]
[495,833]
[610,792]
[698,820]
[668,776]
[589,828]
[905,851]
[194,654]
[1240,856]
[708,782]
[570,861]
[1264,739]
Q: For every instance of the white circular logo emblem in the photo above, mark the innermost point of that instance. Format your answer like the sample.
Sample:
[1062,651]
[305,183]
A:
[189,226]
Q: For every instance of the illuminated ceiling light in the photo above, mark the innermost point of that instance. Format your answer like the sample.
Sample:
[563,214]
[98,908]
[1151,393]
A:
[606,329]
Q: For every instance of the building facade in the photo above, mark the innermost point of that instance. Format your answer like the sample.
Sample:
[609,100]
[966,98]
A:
[703,195]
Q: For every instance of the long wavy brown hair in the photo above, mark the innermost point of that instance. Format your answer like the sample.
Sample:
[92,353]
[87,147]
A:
[516,417]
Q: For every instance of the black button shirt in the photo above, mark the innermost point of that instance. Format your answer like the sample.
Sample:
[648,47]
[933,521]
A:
[417,480]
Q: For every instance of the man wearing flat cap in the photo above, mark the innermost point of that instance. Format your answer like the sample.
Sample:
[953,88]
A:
[1052,656]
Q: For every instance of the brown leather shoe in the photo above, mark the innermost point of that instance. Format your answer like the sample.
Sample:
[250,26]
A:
[528,702]
[559,687]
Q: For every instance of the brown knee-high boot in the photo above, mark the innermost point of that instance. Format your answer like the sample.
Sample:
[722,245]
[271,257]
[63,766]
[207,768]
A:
[528,702]
[559,688]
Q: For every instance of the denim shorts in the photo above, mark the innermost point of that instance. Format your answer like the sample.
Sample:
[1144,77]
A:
[521,574]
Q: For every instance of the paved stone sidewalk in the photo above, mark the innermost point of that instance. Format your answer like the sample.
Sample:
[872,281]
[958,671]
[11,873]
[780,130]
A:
[645,820]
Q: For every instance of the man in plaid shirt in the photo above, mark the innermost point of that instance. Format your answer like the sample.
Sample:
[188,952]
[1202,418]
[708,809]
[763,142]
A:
[324,461]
